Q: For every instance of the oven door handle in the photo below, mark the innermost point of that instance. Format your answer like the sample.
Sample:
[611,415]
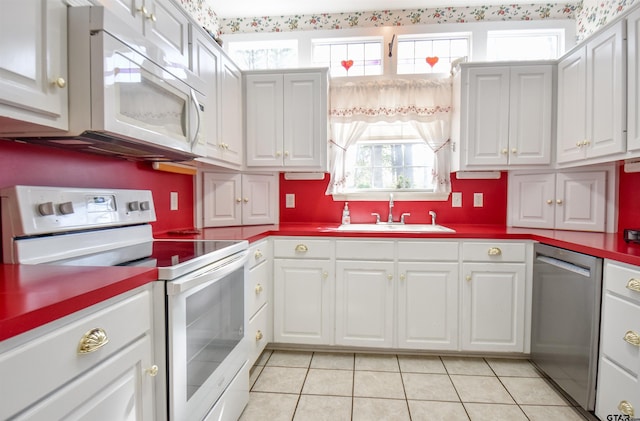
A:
[208,274]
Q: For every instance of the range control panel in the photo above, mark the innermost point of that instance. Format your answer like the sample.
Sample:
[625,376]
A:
[34,210]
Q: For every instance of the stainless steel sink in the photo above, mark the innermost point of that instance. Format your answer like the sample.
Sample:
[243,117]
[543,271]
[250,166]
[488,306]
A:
[395,228]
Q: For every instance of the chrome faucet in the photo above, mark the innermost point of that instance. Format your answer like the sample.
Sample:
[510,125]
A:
[390,219]
[433,217]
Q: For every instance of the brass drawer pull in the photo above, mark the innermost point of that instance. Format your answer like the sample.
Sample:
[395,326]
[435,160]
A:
[92,341]
[626,408]
[632,338]
[301,248]
[152,371]
[258,253]
[259,335]
[494,251]
[258,289]
[633,285]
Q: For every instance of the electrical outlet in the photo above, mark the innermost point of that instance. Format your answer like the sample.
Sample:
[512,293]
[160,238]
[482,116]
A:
[478,200]
[290,200]
[456,199]
[174,201]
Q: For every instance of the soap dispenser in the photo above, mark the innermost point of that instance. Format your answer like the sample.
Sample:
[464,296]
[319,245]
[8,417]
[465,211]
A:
[346,217]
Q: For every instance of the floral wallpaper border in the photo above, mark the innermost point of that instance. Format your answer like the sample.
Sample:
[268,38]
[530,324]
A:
[202,12]
[593,14]
[398,17]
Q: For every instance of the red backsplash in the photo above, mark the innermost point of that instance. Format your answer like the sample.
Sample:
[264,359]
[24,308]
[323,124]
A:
[628,200]
[312,205]
[43,166]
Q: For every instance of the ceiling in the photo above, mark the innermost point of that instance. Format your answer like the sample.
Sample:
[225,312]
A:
[244,8]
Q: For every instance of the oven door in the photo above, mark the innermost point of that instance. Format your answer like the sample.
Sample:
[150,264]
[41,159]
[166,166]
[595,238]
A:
[137,99]
[205,335]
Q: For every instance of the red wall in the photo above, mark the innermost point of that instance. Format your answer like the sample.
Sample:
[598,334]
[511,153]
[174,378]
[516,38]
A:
[43,166]
[628,200]
[312,205]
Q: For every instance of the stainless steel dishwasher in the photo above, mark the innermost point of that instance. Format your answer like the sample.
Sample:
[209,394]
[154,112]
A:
[567,290]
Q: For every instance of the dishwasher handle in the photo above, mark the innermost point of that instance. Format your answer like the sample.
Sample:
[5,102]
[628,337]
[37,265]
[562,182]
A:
[562,264]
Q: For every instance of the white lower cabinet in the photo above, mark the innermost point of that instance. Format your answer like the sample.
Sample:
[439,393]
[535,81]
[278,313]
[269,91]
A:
[618,389]
[303,291]
[259,298]
[494,293]
[364,303]
[45,377]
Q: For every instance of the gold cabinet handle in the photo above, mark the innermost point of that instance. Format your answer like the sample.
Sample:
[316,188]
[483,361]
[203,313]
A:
[92,341]
[259,335]
[549,201]
[278,153]
[579,144]
[151,17]
[494,251]
[559,201]
[301,248]
[514,151]
[152,371]
[632,338]
[504,151]
[258,254]
[468,277]
[633,285]
[143,10]
[246,200]
[238,199]
[259,289]
[626,408]
[586,142]
[389,276]
[403,277]
[325,274]
[60,82]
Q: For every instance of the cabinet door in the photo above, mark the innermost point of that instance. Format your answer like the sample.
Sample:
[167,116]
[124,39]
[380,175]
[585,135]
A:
[222,199]
[303,293]
[617,389]
[259,199]
[572,97]
[487,126]
[305,111]
[633,81]
[533,200]
[581,201]
[167,26]
[606,92]
[121,388]
[130,12]
[264,105]
[205,63]
[493,304]
[364,303]
[33,62]
[230,105]
[530,113]
[427,305]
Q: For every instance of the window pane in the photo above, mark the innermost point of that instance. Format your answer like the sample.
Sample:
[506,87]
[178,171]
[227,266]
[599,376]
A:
[349,58]
[525,44]
[265,54]
[430,54]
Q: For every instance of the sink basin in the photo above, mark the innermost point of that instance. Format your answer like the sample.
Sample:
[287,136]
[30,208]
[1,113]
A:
[395,228]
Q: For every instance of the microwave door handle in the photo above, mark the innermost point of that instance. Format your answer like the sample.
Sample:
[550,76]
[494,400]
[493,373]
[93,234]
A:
[196,104]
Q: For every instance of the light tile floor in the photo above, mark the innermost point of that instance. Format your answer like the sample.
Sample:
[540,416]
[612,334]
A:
[309,386]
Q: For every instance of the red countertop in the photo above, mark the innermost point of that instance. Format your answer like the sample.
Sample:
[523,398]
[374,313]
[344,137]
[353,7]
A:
[33,295]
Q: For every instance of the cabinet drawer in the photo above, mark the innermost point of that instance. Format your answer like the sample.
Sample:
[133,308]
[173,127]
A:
[258,288]
[259,252]
[425,251]
[620,320]
[46,362]
[302,248]
[494,251]
[615,386]
[259,333]
[622,280]
[364,250]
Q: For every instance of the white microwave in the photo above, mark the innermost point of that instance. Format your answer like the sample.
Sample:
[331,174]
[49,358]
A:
[121,102]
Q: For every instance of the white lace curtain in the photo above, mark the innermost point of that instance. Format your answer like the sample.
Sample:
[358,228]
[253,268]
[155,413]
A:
[425,103]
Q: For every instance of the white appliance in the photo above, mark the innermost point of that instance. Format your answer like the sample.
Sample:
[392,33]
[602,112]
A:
[200,346]
[124,99]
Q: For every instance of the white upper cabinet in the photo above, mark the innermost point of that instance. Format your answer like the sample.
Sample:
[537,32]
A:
[633,81]
[502,116]
[592,98]
[231,135]
[163,22]
[33,64]
[286,119]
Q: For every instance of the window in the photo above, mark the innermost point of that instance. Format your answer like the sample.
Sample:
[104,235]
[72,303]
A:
[353,57]
[544,44]
[389,156]
[257,55]
[430,54]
